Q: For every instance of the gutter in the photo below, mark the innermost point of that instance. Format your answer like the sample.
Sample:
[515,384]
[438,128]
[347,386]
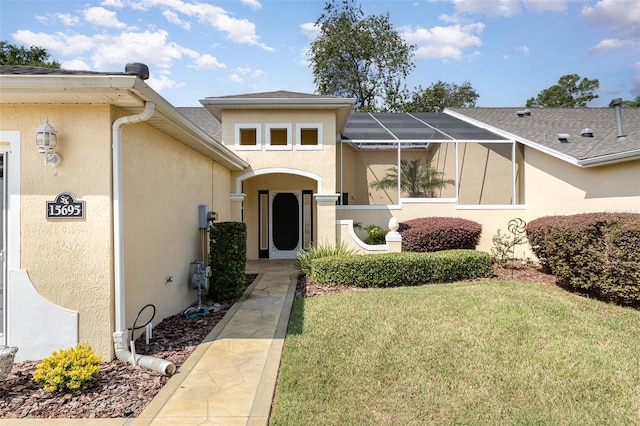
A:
[120,333]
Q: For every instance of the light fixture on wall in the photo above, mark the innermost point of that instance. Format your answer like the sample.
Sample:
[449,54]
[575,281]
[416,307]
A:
[46,142]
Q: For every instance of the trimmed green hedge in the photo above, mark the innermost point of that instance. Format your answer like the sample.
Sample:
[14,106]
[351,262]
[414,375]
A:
[596,253]
[228,244]
[429,234]
[401,269]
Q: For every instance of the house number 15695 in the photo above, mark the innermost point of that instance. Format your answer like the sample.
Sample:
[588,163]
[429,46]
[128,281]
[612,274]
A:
[65,206]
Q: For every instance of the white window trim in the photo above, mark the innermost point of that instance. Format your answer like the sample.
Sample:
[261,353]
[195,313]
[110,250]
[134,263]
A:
[299,127]
[268,127]
[257,146]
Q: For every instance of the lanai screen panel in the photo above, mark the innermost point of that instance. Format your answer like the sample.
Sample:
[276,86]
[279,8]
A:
[456,128]
[422,126]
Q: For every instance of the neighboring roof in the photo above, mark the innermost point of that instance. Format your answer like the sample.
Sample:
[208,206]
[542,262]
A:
[412,128]
[539,130]
[281,99]
[35,85]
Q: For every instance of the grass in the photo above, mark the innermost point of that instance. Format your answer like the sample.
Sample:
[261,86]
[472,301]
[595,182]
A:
[466,353]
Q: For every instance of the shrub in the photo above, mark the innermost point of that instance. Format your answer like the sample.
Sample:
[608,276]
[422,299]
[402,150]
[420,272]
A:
[306,256]
[595,253]
[68,370]
[504,245]
[375,235]
[401,269]
[439,233]
[228,243]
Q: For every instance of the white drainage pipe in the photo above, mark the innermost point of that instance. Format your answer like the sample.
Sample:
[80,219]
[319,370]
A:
[122,353]
[145,361]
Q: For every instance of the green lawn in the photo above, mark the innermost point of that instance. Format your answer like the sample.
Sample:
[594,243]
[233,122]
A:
[475,353]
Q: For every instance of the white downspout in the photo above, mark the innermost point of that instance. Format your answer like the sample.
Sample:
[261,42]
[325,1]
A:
[120,334]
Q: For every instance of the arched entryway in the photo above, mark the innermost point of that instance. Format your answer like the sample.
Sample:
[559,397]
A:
[280,212]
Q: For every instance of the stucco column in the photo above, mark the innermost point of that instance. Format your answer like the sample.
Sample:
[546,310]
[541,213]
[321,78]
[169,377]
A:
[326,225]
[236,206]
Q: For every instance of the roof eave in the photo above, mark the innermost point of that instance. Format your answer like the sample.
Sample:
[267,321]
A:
[126,92]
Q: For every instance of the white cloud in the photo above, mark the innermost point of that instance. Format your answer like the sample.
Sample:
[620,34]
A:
[67,19]
[524,50]
[545,5]
[102,17]
[162,82]
[241,31]
[310,29]
[66,44]
[612,43]
[207,61]
[443,42]
[488,7]
[235,78]
[112,3]
[621,16]
[508,7]
[173,18]
[75,64]
[252,3]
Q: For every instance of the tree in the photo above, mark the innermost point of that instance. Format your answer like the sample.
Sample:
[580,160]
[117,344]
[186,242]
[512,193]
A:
[570,92]
[34,56]
[441,95]
[417,179]
[360,57]
[631,104]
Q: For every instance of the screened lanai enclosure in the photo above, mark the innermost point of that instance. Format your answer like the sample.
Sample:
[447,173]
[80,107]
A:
[440,158]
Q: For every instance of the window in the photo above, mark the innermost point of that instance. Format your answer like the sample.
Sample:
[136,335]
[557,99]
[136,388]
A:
[309,136]
[278,136]
[247,136]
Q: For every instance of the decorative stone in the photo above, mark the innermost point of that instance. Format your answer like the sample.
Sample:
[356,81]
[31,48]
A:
[7,354]
[393,224]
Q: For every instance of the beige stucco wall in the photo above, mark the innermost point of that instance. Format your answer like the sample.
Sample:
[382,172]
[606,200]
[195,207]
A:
[164,183]
[317,162]
[68,261]
[555,187]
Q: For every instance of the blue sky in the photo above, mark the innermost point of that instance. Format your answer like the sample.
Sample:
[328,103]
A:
[509,50]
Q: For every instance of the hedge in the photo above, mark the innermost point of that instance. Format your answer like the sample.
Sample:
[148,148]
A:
[228,244]
[429,234]
[401,269]
[596,253]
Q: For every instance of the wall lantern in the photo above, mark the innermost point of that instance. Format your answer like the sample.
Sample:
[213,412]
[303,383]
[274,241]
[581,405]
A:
[46,142]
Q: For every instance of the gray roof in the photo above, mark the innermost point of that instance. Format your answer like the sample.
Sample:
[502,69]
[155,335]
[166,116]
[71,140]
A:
[203,119]
[541,127]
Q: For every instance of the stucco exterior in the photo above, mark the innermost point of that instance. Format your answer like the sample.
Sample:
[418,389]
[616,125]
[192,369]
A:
[60,282]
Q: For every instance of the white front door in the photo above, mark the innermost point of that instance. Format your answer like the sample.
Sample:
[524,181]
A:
[285,230]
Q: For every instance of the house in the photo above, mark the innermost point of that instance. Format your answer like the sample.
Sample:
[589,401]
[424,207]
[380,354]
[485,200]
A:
[502,164]
[299,169]
[116,225]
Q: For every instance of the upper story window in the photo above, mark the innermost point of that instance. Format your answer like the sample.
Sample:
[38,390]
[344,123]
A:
[309,136]
[248,136]
[278,136]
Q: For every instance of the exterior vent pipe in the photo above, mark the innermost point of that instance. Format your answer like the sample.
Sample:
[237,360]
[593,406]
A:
[617,105]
